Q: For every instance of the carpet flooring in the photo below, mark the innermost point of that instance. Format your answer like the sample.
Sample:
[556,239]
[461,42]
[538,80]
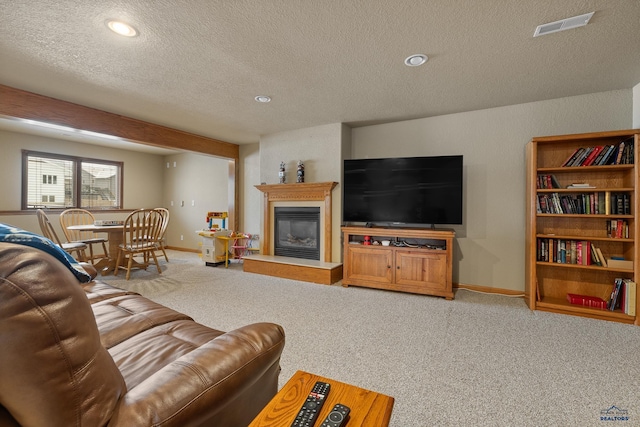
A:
[479,360]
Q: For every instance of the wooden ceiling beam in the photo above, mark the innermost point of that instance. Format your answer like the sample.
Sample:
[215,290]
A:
[20,104]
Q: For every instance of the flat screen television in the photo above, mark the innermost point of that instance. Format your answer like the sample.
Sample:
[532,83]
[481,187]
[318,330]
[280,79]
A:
[410,190]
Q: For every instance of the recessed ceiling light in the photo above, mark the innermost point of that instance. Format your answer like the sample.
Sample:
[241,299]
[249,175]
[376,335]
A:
[121,28]
[263,98]
[416,60]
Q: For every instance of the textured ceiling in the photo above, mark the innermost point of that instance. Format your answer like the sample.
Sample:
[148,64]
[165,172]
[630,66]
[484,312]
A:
[197,65]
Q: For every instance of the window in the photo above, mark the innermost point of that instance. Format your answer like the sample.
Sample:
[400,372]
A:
[58,181]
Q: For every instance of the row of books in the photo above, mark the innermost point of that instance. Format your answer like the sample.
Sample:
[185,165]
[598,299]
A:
[596,203]
[618,228]
[547,181]
[614,154]
[623,298]
[565,251]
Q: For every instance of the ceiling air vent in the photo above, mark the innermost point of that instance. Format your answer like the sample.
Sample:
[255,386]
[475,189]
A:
[565,24]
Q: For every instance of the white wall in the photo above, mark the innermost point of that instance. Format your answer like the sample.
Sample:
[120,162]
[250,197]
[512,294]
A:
[320,149]
[250,198]
[193,185]
[489,249]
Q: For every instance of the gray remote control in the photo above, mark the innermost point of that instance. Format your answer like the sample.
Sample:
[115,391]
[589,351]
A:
[337,417]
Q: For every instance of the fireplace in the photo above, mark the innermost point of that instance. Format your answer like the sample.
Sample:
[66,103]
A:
[297,232]
[320,268]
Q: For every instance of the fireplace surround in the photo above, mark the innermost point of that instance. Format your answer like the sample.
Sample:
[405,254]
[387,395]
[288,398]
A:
[316,195]
[299,194]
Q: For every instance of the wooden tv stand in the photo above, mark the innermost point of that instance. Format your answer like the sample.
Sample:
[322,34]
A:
[426,269]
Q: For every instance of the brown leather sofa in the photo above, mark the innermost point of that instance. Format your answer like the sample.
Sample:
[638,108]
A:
[91,354]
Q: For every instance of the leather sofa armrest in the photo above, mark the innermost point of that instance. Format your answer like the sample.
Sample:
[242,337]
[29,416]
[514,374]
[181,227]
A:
[203,382]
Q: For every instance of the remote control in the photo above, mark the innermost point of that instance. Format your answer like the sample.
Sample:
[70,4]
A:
[337,417]
[312,406]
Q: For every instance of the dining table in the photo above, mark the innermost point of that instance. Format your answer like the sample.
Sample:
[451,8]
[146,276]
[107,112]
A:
[115,236]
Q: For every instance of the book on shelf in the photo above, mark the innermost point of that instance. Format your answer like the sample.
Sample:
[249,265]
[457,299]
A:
[623,296]
[569,251]
[620,152]
[572,157]
[618,229]
[619,262]
[614,300]
[548,181]
[592,156]
[630,294]
[602,155]
[603,260]
[587,301]
[594,203]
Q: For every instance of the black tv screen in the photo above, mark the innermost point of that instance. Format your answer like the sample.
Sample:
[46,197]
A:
[409,190]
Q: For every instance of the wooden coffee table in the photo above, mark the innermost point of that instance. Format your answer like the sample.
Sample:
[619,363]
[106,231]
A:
[368,408]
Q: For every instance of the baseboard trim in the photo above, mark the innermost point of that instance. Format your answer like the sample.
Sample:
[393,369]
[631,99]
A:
[176,248]
[488,290]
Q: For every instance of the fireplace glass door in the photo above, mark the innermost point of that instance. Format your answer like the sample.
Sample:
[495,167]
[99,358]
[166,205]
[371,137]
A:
[297,232]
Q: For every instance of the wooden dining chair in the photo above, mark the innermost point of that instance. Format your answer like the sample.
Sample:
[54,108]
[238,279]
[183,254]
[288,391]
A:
[49,232]
[140,234]
[162,242]
[77,216]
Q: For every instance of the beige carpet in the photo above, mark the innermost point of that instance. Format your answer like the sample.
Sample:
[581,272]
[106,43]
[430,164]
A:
[479,360]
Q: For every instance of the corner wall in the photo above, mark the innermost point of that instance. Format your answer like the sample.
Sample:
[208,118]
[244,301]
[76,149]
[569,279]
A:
[320,149]
[490,245]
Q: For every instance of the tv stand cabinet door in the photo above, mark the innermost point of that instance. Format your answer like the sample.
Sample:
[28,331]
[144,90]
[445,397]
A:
[371,266]
[422,272]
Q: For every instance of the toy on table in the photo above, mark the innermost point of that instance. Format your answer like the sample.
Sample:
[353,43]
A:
[217,215]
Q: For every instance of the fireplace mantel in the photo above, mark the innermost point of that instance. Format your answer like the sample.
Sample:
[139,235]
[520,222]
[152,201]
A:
[304,192]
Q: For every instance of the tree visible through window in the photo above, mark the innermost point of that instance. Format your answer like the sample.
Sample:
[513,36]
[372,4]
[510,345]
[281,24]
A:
[57,181]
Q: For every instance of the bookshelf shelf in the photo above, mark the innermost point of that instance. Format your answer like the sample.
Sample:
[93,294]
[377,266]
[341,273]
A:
[581,169]
[554,304]
[583,190]
[587,267]
[562,233]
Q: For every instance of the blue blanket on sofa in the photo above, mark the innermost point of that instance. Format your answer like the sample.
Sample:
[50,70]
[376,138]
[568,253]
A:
[11,234]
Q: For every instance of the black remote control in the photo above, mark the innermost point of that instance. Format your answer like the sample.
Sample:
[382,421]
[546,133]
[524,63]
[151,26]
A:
[337,417]
[312,406]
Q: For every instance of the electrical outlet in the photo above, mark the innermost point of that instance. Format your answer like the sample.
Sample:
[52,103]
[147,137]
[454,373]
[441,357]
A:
[182,203]
[175,164]
[193,203]
[172,203]
[167,165]
[181,237]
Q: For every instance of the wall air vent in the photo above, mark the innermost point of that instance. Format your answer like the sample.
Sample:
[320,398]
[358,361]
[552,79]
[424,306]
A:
[564,24]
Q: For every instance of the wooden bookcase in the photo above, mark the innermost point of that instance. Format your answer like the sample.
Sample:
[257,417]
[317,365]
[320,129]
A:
[424,267]
[549,281]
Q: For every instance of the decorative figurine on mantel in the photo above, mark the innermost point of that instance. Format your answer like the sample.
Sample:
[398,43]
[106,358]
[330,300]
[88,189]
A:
[281,173]
[300,173]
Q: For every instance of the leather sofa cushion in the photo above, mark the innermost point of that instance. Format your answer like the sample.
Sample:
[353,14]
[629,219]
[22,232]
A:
[122,317]
[147,352]
[98,291]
